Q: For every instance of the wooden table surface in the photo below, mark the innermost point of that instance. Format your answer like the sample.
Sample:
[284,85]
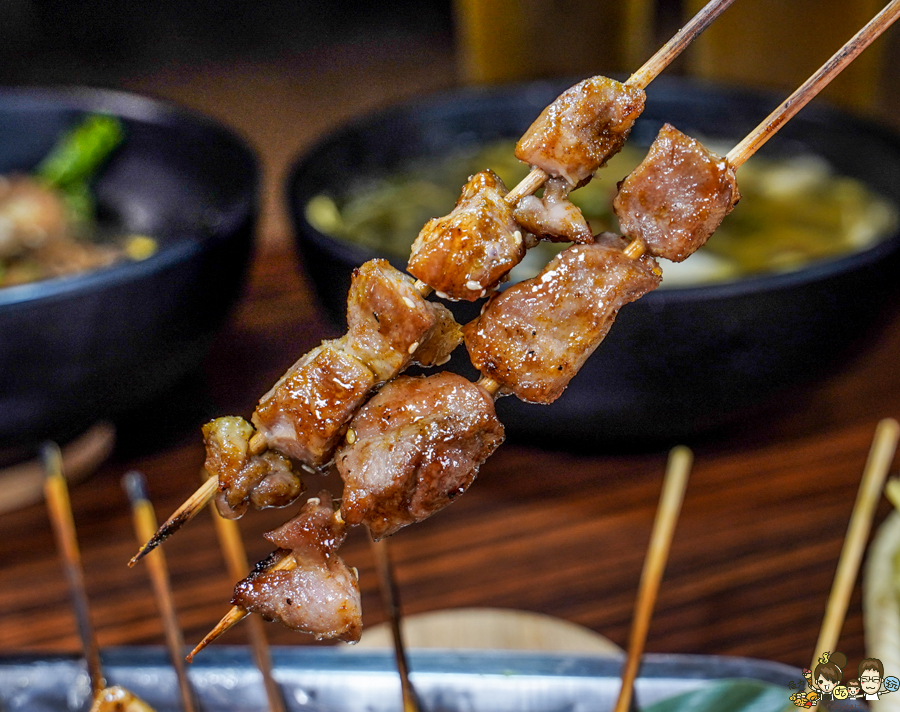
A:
[555,532]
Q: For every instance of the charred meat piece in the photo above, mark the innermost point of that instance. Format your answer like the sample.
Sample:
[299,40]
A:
[413,448]
[466,254]
[677,197]
[321,595]
[553,216]
[304,414]
[387,319]
[263,480]
[586,125]
[534,337]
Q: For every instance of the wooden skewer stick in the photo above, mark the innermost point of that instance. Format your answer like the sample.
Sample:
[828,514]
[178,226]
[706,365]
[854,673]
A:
[640,79]
[679,42]
[674,485]
[59,507]
[192,506]
[144,518]
[236,561]
[881,454]
[489,384]
[185,513]
[528,185]
[237,613]
[390,599]
[229,620]
[812,86]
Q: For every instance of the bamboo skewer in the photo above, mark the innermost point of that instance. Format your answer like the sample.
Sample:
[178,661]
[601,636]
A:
[390,599]
[144,526]
[191,506]
[237,613]
[236,561]
[59,507]
[185,513]
[666,54]
[812,86]
[674,485]
[881,454]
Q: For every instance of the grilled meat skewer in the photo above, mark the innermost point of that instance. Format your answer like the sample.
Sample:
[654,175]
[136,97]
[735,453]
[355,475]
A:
[304,415]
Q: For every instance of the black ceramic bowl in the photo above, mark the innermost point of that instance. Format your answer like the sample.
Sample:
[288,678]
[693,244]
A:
[77,349]
[679,361]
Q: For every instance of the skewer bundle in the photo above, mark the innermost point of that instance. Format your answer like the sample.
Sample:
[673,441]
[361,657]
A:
[339,376]
[105,698]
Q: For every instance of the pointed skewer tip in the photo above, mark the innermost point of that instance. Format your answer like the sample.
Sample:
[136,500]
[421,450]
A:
[230,619]
[185,513]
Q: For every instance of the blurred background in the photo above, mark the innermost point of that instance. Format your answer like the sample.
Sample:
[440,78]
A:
[765,42]
[345,57]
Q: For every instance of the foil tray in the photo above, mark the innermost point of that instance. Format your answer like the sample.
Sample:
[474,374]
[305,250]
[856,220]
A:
[330,679]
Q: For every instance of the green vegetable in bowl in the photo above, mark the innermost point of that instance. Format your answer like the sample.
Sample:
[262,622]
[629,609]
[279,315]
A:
[75,159]
[48,224]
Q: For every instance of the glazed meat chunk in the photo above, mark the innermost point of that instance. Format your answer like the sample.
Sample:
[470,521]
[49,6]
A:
[305,412]
[586,125]
[387,319]
[677,197]
[466,254]
[321,595]
[534,336]
[553,216]
[263,480]
[413,448]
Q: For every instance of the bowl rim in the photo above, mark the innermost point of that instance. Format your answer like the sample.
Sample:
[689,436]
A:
[771,281]
[144,109]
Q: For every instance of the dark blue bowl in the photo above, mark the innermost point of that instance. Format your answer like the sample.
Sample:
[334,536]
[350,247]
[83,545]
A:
[78,349]
[678,362]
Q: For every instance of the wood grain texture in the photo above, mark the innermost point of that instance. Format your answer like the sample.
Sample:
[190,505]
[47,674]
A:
[551,532]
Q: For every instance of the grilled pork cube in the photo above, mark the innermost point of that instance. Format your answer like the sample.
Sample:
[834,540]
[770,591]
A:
[586,125]
[413,448]
[387,319]
[466,254]
[677,197]
[321,595]
[553,216]
[263,480]
[534,336]
[305,412]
